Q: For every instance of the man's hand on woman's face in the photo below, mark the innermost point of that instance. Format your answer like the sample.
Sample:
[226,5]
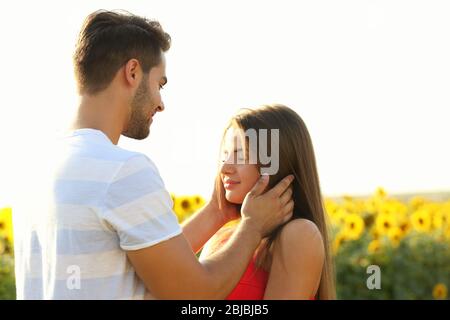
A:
[266,211]
[273,204]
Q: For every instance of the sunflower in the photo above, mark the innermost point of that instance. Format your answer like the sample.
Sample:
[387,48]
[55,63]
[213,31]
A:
[374,246]
[400,208]
[374,233]
[440,219]
[440,291]
[6,227]
[360,206]
[421,220]
[386,209]
[394,208]
[417,202]
[350,206]
[198,201]
[405,226]
[446,207]
[432,208]
[330,207]
[384,222]
[337,241]
[447,232]
[2,246]
[339,216]
[380,193]
[354,226]
[395,235]
[183,207]
[371,205]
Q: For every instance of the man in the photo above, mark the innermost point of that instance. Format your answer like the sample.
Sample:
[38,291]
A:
[109,231]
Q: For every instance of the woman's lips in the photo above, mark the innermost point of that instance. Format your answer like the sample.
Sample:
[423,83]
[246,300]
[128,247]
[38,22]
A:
[230,184]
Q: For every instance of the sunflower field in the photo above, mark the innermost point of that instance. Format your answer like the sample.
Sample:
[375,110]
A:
[408,239]
[7,283]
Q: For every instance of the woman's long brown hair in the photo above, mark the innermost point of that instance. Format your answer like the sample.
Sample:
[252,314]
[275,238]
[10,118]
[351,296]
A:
[296,156]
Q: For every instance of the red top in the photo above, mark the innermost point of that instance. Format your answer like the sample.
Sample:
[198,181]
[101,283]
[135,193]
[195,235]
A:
[253,283]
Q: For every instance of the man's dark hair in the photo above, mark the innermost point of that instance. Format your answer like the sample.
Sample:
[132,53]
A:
[108,39]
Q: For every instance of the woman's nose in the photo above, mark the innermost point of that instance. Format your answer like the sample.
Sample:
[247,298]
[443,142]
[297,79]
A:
[226,168]
[228,165]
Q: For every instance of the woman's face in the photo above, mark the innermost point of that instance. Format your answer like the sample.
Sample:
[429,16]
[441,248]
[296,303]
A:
[238,177]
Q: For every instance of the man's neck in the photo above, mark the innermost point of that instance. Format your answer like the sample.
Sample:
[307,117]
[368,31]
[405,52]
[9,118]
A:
[100,113]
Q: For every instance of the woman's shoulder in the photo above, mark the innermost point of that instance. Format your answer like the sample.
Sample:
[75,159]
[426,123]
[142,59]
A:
[299,229]
[298,239]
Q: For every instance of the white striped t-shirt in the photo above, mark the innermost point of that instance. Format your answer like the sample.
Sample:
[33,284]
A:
[101,201]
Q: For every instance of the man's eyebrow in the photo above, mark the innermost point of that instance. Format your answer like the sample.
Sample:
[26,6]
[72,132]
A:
[164,79]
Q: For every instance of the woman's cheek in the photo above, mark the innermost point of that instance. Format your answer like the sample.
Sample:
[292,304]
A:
[235,196]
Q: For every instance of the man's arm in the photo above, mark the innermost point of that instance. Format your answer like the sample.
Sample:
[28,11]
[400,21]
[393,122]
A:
[170,269]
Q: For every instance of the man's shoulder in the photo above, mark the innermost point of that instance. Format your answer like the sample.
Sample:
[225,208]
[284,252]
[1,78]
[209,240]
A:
[102,153]
[137,161]
[93,146]
[138,171]
[100,162]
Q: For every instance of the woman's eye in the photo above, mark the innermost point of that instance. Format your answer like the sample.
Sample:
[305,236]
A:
[224,156]
[240,155]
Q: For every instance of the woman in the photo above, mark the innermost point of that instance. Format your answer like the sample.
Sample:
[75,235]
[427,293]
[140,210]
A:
[294,261]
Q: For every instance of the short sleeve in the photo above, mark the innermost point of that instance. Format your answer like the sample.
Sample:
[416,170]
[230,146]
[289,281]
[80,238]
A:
[138,206]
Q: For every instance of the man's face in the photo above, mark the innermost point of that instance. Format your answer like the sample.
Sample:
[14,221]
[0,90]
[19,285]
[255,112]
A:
[146,102]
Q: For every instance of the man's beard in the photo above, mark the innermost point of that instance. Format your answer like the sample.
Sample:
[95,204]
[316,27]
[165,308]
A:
[138,126]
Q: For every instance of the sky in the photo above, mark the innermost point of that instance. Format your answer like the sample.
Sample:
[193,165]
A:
[369,78]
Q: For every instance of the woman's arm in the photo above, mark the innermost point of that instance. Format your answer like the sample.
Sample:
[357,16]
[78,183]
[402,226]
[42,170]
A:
[297,262]
[201,226]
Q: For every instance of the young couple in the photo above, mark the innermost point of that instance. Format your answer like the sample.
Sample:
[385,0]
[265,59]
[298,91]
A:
[109,231]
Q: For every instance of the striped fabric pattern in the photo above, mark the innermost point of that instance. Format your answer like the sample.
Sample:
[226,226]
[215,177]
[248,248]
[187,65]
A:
[102,201]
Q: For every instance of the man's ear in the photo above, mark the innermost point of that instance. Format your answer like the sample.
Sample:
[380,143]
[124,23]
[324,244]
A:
[133,72]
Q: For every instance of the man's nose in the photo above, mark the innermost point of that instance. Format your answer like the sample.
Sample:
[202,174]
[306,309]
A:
[161,107]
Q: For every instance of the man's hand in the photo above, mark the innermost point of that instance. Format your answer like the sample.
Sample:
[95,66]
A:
[267,211]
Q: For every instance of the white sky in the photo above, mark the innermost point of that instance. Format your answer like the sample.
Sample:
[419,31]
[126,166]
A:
[370,78]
